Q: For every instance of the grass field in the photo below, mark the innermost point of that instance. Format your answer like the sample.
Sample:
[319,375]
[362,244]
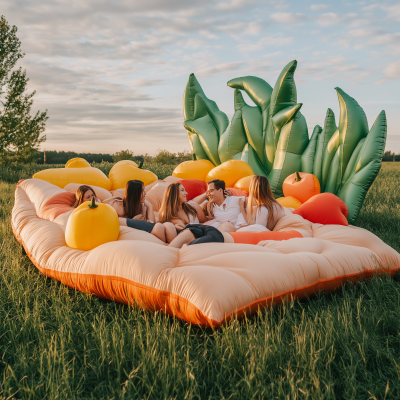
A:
[59,343]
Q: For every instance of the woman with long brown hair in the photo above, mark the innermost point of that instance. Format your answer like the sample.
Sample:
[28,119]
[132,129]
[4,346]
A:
[176,209]
[263,211]
[135,211]
[84,193]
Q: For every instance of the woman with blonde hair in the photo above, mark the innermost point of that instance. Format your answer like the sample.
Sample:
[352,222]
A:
[263,211]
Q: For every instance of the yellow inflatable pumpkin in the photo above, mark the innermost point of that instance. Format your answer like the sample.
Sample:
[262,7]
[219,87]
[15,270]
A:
[63,176]
[244,183]
[197,169]
[289,202]
[124,171]
[77,163]
[230,172]
[91,225]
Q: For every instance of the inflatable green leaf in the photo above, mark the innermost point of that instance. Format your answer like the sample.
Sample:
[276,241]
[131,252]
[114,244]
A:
[272,137]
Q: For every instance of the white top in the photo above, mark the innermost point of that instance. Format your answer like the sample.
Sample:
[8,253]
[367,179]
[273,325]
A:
[193,220]
[261,217]
[229,210]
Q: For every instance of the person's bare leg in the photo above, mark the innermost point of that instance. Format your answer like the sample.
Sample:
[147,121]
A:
[227,227]
[227,238]
[170,231]
[183,238]
[159,231]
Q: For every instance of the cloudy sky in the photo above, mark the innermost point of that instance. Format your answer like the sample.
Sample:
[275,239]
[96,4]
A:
[112,74]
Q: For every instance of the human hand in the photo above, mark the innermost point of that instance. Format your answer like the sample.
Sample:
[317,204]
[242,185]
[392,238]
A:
[227,192]
[139,217]
[241,203]
[179,227]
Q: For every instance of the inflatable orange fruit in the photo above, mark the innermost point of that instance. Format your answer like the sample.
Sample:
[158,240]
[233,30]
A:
[301,185]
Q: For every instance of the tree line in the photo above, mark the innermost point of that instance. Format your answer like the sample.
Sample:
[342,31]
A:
[162,157]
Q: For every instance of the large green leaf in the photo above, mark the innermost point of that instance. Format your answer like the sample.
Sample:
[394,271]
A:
[363,171]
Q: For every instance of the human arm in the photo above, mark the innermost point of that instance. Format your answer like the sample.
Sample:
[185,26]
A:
[200,199]
[246,216]
[150,211]
[200,212]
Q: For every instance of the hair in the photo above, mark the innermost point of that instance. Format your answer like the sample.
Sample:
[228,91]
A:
[131,199]
[80,193]
[218,184]
[260,193]
[170,204]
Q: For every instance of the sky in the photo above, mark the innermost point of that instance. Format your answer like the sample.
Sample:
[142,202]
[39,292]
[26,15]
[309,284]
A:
[112,74]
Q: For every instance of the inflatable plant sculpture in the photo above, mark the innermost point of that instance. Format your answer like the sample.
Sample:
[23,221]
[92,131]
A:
[272,136]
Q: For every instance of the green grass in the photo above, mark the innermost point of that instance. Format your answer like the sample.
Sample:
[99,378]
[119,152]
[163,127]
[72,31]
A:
[59,343]
[13,173]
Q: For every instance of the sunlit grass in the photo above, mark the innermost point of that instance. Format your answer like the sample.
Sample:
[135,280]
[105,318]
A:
[59,343]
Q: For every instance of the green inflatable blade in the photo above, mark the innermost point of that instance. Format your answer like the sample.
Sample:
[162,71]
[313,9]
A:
[292,143]
[256,88]
[252,124]
[353,127]
[233,140]
[365,169]
[322,142]
[283,96]
[329,153]
[250,156]
[284,93]
[204,119]
[307,159]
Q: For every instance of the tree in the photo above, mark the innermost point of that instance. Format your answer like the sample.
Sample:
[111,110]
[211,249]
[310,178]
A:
[123,155]
[20,132]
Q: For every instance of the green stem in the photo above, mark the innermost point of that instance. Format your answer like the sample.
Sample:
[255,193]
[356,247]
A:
[93,204]
[298,177]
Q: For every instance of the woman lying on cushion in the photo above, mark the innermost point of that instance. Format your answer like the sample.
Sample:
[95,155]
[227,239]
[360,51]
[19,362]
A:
[135,211]
[258,219]
[84,193]
[264,212]
[176,212]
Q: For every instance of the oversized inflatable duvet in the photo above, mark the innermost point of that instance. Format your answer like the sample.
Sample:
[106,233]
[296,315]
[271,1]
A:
[204,284]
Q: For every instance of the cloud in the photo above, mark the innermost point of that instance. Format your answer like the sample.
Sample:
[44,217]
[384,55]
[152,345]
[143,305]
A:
[393,11]
[318,7]
[274,40]
[393,70]
[221,68]
[331,18]
[284,18]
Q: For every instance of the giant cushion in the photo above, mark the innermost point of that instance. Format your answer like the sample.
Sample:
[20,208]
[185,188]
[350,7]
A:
[324,208]
[205,284]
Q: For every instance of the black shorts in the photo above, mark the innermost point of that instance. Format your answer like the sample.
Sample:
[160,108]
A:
[140,225]
[204,234]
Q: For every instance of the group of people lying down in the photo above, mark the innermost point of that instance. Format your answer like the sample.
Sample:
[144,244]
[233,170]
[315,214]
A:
[214,216]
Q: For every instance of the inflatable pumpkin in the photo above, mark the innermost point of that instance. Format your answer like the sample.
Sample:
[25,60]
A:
[289,202]
[193,169]
[77,163]
[230,172]
[91,225]
[301,186]
[126,170]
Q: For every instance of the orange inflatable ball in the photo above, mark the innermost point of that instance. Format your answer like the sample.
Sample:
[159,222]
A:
[197,169]
[289,202]
[91,225]
[301,185]
[124,171]
[244,183]
[77,163]
[230,172]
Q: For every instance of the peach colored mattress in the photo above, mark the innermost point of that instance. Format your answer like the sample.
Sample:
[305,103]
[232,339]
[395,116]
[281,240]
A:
[204,284]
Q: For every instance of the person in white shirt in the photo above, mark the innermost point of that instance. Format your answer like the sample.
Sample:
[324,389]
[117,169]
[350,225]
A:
[221,208]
